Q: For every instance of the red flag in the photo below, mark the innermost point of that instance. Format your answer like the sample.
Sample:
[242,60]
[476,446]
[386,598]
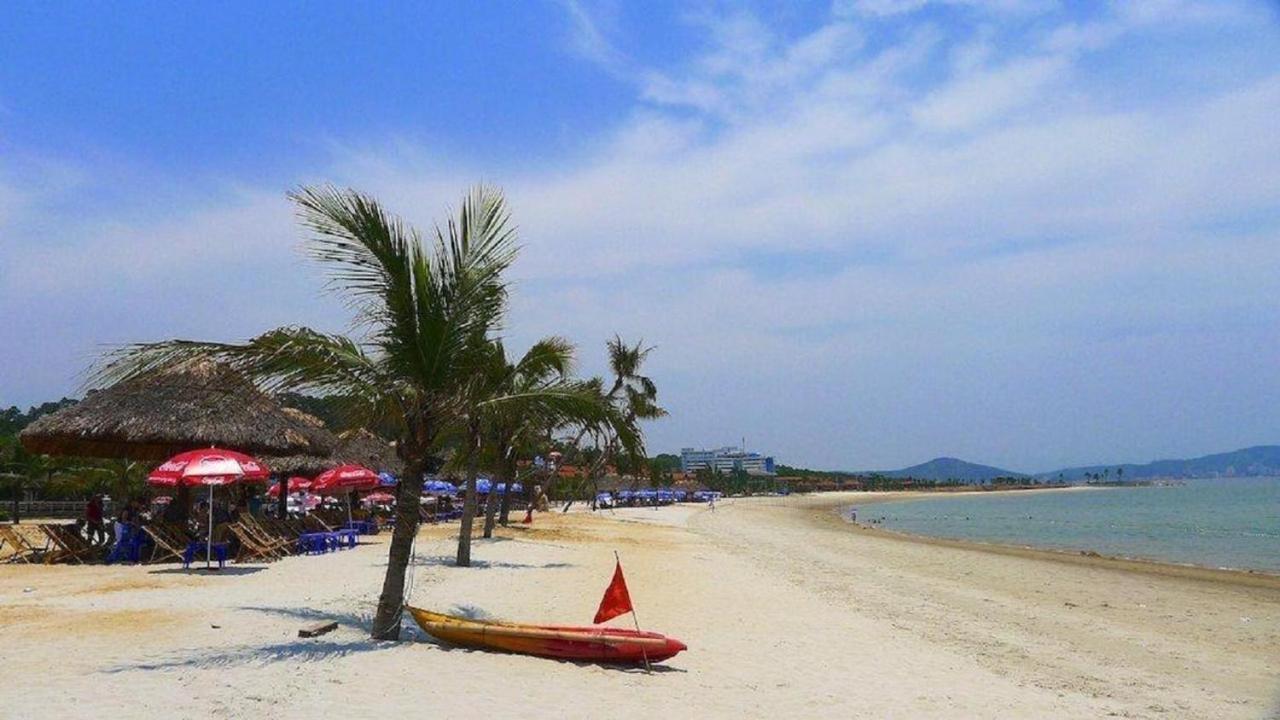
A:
[616,600]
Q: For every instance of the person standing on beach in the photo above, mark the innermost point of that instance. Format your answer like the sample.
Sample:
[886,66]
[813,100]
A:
[124,518]
[93,520]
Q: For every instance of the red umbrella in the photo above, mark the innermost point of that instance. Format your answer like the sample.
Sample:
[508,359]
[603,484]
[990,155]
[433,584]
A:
[210,467]
[344,479]
[379,497]
[296,484]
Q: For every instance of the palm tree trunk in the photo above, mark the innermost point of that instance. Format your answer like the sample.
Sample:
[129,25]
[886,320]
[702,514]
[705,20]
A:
[282,510]
[491,508]
[469,501]
[386,623]
[505,508]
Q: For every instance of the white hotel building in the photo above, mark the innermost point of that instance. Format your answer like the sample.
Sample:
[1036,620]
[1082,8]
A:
[726,460]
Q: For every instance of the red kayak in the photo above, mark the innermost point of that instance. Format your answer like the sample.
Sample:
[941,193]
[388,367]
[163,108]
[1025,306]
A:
[588,644]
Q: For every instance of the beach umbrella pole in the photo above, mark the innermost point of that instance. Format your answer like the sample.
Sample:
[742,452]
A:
[209,541]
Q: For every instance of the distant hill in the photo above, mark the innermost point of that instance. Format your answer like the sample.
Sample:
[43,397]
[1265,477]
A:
[1249,462]
[945,468]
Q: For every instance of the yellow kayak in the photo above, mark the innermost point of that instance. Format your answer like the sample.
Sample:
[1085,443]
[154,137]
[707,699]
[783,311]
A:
[591,644]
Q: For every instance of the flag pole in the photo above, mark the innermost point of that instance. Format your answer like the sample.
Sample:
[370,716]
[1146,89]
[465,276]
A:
[635,619]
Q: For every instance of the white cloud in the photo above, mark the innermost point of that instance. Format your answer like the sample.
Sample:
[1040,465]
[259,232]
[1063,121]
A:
[986,94]
[590,40]
[889,8]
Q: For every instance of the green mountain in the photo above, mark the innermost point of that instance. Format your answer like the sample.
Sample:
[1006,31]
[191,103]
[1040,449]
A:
[1261,460]
[945,468]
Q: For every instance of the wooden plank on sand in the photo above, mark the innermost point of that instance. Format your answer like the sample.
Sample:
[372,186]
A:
[319,628]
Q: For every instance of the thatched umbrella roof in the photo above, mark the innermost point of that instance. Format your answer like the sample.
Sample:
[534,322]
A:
[362,447]
[162,413]
[354,447]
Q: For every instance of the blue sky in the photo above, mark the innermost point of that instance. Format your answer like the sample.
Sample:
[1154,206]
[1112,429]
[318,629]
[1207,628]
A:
[861,234]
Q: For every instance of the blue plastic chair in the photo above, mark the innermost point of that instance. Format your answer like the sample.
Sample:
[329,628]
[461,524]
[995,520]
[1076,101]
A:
[130,546]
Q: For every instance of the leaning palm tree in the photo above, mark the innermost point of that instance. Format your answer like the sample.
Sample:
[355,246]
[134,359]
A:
[421,309]
[633,398]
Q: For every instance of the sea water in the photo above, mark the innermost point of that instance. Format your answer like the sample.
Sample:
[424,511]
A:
[1221,522]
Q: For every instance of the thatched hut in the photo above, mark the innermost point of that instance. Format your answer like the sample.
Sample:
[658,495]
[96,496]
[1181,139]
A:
[160,414]
[362,447]
[355,447]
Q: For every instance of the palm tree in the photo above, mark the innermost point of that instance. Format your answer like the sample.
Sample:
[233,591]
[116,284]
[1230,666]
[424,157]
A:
[634,397]
[510,400]
[540,378]
[119,478]
[421,310]
[23,469]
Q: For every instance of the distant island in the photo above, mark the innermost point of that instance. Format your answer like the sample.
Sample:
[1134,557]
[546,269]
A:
[1258,461]
[948,468]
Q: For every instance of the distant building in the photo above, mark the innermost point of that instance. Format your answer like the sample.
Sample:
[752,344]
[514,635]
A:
[726,460]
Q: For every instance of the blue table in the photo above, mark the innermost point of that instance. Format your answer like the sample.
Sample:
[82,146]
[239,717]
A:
[198,546]
[315,543]
[347,537]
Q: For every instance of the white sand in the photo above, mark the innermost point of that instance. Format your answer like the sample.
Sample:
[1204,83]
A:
[786,613]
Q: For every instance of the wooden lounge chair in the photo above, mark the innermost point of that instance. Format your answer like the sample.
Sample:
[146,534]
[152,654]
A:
[313,523]
[170,540]
[333,518]
[66,545]
[251,548]
[20,546]
[267,537]
[285,530]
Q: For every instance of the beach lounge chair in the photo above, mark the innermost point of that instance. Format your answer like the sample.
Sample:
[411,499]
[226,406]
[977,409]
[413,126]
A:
[251,547]
[287,530]
[21,549]
[314,524]
[170,541]
[278,544]
[66,545]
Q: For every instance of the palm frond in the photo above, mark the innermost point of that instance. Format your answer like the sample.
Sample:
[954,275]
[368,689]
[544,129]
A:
[461,293]
[295,359]
[368,251]
[551,356]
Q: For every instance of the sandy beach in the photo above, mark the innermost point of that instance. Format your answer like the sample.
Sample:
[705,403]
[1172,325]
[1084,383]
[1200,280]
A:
[788,611]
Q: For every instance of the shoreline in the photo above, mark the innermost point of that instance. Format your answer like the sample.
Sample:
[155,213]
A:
[835,510]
